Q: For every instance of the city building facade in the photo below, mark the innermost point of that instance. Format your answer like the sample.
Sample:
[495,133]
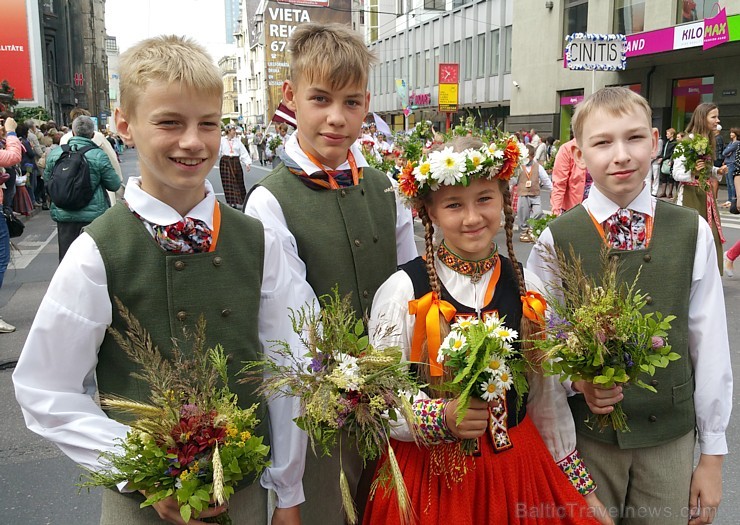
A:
[476,35]
[667,61]
[112,52]
[230,106]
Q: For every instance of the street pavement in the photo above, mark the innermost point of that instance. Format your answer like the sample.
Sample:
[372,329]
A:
[38,483]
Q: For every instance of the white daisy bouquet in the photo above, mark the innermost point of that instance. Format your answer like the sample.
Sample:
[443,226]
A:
[691,150]
[445,167]
[483,363]
[348,389]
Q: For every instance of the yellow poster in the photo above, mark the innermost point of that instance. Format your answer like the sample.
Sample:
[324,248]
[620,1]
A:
[447,98]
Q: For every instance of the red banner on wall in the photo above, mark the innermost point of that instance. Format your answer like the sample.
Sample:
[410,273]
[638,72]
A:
[15,56]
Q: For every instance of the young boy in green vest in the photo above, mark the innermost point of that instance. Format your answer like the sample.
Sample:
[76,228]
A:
[170,252]
[337,218]
[646,476]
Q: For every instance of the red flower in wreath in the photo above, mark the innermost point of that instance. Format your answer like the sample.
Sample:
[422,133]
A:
[407,182]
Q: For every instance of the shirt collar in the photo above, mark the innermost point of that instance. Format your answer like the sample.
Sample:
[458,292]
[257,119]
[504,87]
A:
[294,151]
[601,207]
[157,212]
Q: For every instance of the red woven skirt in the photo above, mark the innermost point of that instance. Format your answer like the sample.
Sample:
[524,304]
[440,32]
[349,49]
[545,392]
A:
[522,485]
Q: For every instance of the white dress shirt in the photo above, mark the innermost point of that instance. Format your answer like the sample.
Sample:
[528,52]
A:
[708,342]
[55,377]
[263,205]
[234,148]
[392,325]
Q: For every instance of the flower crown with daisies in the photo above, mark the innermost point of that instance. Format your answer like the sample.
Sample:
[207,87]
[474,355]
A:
[445,167]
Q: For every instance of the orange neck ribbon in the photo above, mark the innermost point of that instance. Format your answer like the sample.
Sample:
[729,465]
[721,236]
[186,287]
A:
[216,226]
[333,184]
[428,310]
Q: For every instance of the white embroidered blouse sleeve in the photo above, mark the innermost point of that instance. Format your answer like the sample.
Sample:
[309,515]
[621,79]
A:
[55,376]
[244,156]
[287,441]
[391,325]
[679,172]
[545,181]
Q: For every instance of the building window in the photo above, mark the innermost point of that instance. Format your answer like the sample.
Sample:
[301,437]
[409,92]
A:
[691,10]
[419,70]
[468,58]
[629,16]
[403,73]
[436,66]
[428,63]
[507,50]
[481,55]
[399,8]
[236,107]
[362,13]
[495,47]
[688,93]
[446,53]
[576,17]
[435,5]
[458,3]
[456,52]
[373,20]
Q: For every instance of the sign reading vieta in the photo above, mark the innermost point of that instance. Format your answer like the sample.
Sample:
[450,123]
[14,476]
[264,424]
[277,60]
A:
[594,52]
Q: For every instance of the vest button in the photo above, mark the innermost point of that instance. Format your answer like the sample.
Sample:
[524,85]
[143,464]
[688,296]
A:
[179,265]
[357,242]
[375,238]
[217,261]
[343,193]
[362,191]
[647,258]
[654,382]
[648,300]
[225,312]
[182,315]
[365,294]
[652,419]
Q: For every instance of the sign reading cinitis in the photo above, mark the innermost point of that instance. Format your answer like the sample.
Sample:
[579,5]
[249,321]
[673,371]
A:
[594,52]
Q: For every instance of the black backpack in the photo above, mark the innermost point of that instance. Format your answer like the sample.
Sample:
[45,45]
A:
[70,187]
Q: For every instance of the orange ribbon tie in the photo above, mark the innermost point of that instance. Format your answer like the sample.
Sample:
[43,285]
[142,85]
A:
[534,306]
[429,308]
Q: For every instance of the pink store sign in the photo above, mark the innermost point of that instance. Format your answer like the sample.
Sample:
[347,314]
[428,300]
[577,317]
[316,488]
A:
[705,33]
[716,31]
[571,101]
[701,89]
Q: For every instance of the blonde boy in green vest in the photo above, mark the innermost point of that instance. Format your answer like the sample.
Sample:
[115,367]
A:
[337,218]
[646,476]
[226,267]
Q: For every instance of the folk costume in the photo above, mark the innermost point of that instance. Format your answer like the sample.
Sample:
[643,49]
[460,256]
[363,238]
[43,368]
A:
[526,469]
[233,154]
[342,228]
[694,393]
[166,280]
[692,195]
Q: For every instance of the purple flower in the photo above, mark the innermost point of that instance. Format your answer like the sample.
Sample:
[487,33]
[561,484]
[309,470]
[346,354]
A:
[559,323]
[628,362]
[658,342]
[317,363]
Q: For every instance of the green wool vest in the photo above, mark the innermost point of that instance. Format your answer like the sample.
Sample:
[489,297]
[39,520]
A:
[346,237]
[667,266]
[167,292]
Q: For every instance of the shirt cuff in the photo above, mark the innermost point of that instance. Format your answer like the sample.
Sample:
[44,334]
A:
[575,469]
[712,444]
[286,496]
[430,420]
[12,134]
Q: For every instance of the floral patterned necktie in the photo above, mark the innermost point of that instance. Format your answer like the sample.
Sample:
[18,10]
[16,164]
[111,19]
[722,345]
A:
[186,236]
[626,230]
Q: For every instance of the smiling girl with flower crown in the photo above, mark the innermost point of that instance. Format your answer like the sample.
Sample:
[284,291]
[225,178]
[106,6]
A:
[510,476]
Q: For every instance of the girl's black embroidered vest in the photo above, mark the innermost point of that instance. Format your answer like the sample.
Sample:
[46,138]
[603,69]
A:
[506,302]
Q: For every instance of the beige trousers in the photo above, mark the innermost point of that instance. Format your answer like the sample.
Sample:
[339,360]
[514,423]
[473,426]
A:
[642,486]
[247,506]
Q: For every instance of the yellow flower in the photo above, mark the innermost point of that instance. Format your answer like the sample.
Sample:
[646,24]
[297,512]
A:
[231,431]
[245,435]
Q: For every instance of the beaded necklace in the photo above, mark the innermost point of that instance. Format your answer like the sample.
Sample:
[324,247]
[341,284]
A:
[475,269]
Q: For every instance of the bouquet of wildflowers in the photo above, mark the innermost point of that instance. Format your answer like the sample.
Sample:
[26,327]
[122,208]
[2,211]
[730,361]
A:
[274,142]
[598,332]
[483,364]
[691,150]
[347,388]
[191,440]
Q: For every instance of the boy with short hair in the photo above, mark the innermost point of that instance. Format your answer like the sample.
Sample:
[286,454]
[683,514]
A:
[171,252]
[338,219]
[646,475]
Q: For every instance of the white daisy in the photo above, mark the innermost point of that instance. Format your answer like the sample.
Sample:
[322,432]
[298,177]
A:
[447,166]
[505,380]
[421,172]
[496,364]
[490,389]
[454,342]
[477,158]
[464,324]
[492,322]
[505,334]
[347,364]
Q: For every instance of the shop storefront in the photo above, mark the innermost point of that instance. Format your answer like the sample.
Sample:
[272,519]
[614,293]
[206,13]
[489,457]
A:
[686,95]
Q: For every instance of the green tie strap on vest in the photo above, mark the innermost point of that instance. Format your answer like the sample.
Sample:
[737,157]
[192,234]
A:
[667,267]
